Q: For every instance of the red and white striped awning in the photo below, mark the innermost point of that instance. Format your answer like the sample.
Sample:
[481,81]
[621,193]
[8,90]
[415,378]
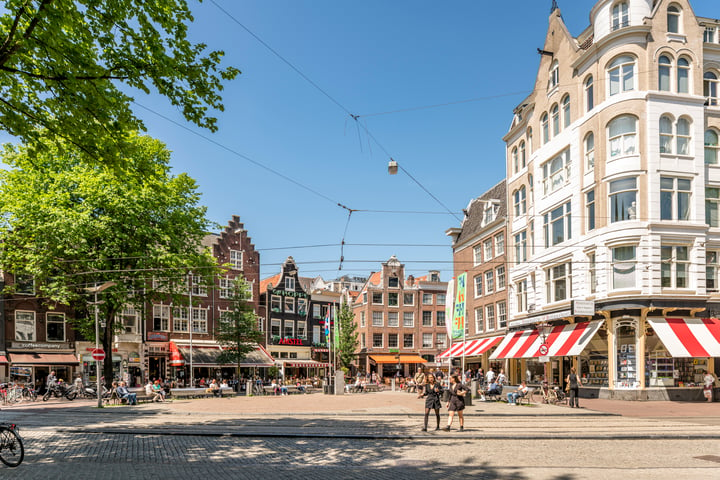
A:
[689,337]
[562,341]
[470,348]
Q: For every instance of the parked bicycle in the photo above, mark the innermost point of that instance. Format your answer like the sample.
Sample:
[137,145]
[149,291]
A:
[59,390]
[548,394]
[12,451]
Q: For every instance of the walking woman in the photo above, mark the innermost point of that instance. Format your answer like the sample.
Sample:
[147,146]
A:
[574,384]
[456,403]
[432,400]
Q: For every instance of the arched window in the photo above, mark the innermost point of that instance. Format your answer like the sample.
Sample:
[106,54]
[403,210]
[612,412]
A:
[712,149]
[683,136]
[523,161]
[711,88]
[683,75]
[666,134]
[622,133]
[673,19]
[529,136]
[519,201]
[589,97]
[530,184]
[622,75]
[664,68]
[554,79]
[566,111]
[620,16]
[556,119]
[545,128]
[590,151]
[515,160]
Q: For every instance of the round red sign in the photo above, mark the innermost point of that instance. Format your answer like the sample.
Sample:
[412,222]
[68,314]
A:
[98,354]
[543,349]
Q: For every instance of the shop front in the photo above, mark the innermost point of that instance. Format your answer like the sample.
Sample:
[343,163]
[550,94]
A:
[31,363]
[389,365]
[300,369]
[204,356]
[155,357]
[473,354]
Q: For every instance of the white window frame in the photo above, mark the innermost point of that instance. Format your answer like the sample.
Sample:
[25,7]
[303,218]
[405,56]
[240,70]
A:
[362,320]
[236,259]
[521,295]
[675,198]
[712,269]
[412,299]
[373,298]
[622,142]
[129,313]
[25,317]
[592,272]
[556,172]
[674,266]
[683,75]
[276,303]
[161,312]
[393,319]
[488,250]
[490,317]
[411,343]
[555,220]
[567,119]
[478,281]
[393,340]
[382,340]
[589,87]
[427,318]
[554,76]
[200,320]
[288,329]
[290,284]
[712,206]
[489,282]
[181,319]
[225,287]
[521,246]
[590,210]
[301,329]
[665,73]
[396,296]
[408,319]
[619,17]
[289,305]
[711,89]
[427,298]
[558,279]
[501,315]
[500,278]
[712,147]
[589,145]
[624,270]
[477,255]
[378,319]
[674,19]
[621,75]
[519,201]
[427,340]
[619,190]
[479,319]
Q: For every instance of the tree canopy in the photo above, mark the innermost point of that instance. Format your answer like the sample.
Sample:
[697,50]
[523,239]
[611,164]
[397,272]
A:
[72,225]
[237,330]
[348,336]
[66,67]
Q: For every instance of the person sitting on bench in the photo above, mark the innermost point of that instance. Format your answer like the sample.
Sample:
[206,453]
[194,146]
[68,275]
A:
[521,391]
[494,388]
[124,394]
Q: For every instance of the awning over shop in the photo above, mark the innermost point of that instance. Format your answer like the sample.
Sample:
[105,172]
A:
[689,337]
[3,359]
[470,348]
[394,359]
[562,341]
[176,359]
[207,356]
[43,359]
[303,363]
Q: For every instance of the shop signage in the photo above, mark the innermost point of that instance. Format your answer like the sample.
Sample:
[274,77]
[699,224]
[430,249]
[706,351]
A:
[158,337]
[35,345]
[134,357]
[290,341]
[584,307]
[287,293]
[544,359]
[90,349]
[540,318]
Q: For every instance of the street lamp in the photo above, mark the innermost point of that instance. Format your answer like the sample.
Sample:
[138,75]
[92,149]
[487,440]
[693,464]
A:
[95,290]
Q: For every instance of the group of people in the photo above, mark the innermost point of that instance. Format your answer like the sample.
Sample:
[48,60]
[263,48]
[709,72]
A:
[432,390]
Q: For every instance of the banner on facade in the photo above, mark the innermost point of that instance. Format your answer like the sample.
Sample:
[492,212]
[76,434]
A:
[458,322]
[449,306]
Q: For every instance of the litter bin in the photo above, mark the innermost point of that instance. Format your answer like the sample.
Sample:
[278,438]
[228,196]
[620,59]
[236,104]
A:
[468,398]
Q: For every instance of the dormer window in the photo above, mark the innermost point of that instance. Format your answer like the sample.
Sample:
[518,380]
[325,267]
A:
[290,284]
[620,16]
[490,211]
[393,282]
[673,19]
[554,79]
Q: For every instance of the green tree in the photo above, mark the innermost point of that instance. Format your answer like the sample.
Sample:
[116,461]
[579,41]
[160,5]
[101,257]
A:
[69,67]
[348,337]
[71,225]
[237,330]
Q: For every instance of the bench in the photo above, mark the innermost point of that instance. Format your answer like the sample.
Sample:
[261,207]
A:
[495,397]
[199,393]
[291,389]
[526,398]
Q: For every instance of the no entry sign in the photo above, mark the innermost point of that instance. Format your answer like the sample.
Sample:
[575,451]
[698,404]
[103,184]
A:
[98,354]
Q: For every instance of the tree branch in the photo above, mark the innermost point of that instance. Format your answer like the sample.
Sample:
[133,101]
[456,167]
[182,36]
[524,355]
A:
[61,77]
[11,34]
[28,31]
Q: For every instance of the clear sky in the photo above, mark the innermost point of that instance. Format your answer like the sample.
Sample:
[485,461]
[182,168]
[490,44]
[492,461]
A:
[372,57]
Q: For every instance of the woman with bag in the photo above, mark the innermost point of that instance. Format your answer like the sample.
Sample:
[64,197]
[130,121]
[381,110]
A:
[432,400]
[573,387]
[457,401]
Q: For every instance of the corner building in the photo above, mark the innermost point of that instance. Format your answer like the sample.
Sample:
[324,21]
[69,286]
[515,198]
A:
[613,195]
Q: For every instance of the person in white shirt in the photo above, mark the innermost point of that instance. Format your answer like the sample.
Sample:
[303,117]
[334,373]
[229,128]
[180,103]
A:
[490,376]
[501,378]
[709,381]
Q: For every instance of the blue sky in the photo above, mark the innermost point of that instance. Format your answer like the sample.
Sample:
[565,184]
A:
[372,56]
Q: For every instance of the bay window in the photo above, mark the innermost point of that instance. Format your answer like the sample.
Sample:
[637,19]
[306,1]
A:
[620,16]
[622,75]
[674,198]
[623,194]
[556,172]
[712,204]
[623,267]
[622,135]
[711,147]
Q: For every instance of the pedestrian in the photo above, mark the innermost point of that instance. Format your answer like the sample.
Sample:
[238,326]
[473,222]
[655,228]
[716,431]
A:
[709,382]
[574,384]
[501,378]
[490,376]
[420,381]
[432,400]
[456,403]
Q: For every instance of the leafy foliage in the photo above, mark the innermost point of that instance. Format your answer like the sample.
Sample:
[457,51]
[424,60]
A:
[71,225]
[348,336]
[67,67]
[237,330]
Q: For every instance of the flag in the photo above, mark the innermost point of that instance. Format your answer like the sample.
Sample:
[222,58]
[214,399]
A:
[327,326]
[337,329]
[458,322]
[450,307]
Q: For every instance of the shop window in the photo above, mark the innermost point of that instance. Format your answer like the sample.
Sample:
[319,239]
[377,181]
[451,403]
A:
[626,374]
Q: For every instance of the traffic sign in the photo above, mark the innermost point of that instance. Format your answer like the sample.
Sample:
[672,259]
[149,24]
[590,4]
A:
[544,349]
[98,354]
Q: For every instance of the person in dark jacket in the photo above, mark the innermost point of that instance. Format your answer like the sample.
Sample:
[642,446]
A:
[432,400]
[456,403]
[574,384]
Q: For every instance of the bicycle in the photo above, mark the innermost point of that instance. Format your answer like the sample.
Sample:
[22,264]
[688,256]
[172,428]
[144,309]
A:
[12,451]
[547,395]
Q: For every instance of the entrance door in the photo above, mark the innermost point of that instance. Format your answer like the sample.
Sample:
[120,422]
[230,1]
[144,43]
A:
[157,367]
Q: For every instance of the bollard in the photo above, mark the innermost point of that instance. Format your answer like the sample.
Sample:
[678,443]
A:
[474,388]
[248,388]
[392,384]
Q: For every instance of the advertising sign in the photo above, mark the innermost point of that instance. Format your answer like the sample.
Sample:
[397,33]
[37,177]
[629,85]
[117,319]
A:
[458,321]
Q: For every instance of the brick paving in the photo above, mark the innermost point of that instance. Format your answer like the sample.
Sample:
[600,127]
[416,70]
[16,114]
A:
[370,435]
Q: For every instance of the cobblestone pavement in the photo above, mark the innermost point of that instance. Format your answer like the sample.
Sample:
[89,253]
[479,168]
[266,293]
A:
[350,437]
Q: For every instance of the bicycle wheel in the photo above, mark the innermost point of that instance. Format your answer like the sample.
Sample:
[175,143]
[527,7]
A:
[12,451]
[46,397]
[537,396]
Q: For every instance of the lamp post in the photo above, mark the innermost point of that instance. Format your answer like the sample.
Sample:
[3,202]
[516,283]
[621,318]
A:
[190,315]
[95,290]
